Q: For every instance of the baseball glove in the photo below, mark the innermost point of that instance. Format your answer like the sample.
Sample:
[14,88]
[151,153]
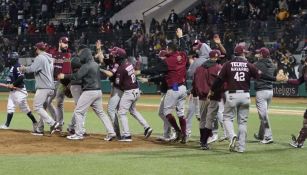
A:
[67,91]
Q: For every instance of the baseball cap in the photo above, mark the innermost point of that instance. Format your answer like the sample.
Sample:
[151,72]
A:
[64,39]
[41,46]
[214,53]
[118,52]
[239,49]
[265,52]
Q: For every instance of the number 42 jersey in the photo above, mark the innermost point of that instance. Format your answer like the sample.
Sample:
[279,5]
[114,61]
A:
[125,77]
[237,73]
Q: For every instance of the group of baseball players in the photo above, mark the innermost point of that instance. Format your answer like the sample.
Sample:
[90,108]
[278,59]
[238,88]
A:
[219,92]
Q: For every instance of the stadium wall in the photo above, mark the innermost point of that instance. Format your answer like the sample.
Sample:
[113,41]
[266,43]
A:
[280,89]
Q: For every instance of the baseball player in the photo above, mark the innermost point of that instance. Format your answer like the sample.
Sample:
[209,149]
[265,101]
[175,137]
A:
[126,81]
[157,75]
[116,92]
[264,94]
[203,53]
[176,93]
[298,142]
[89,74]
[237,74]
[75,88]
[42,67]
[202,81]
[16,97]
[62,58]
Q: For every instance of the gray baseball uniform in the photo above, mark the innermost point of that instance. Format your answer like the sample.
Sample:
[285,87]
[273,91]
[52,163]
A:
[126,80]
[237,73]
[264,94]
[113,104]
[43,72]
[89,74]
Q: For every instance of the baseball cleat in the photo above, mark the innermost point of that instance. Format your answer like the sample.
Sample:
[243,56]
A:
[296,145]
[148,132]
[4,127]
[75,137]
[126,139]
[212,139]
[178,136]
[54,127]
[36,133]
[266,141]
[163,139]
[232,144]
[204,146]
[110,137]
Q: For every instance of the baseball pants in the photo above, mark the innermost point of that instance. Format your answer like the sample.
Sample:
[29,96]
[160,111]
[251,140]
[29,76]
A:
[263,100]
[127,103]
[237,104]
[113,104]
[91,98]
[220,117]
[208,114]
[50,107]
[166,125]
[76,91]
[41,96]
[17,98]
[60,96]
[175,99]
[192,110]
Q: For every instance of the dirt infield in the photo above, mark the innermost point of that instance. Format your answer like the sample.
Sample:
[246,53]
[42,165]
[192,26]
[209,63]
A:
[22,142]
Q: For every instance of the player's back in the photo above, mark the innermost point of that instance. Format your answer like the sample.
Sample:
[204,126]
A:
[237,73]
[125,76]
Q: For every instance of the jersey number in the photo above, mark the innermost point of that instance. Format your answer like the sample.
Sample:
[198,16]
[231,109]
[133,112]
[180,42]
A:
[133,78]
[240,76]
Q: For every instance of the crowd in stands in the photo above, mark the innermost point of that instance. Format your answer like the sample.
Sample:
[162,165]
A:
[257,22]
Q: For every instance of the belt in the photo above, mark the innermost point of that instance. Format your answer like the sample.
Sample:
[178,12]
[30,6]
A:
[178,86]
[237,91]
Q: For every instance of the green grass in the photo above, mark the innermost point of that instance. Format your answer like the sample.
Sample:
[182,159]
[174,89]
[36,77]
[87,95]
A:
[274,159]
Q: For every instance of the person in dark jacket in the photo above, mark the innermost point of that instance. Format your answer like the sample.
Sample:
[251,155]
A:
[204,77]
[264,94]
[75,87]
[89,74]
[157,75]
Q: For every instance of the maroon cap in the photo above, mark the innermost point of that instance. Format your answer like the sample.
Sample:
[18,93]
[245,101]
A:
[41,46]
[118,52]
[240,49]
[214,53]
[64,39]
[265,52]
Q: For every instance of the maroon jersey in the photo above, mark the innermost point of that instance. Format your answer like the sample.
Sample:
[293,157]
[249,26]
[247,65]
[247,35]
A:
[113,68]
[203,79]
[61,62]
[237,74]
[176,64]
[125,77]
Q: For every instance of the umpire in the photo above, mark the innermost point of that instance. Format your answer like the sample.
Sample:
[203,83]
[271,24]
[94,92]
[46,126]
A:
[264,94]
